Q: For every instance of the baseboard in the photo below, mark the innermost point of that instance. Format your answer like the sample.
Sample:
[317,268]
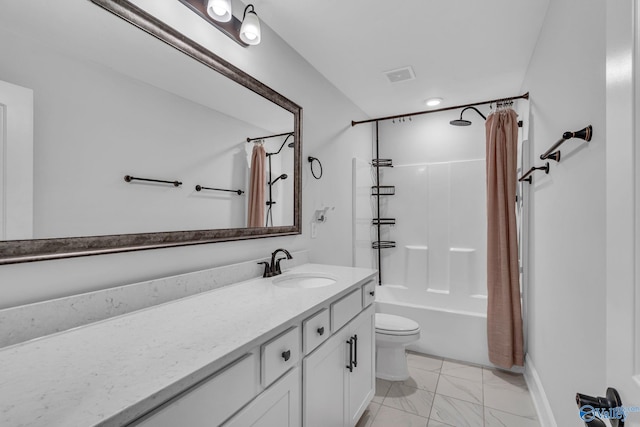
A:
[540,401]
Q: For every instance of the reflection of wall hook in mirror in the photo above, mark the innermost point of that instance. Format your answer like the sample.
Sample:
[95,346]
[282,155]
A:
[311,160]
[321,214]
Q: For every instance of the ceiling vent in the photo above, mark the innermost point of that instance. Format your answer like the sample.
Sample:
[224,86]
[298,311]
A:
[400,75]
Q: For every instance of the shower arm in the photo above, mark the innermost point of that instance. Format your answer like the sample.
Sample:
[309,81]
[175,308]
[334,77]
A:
[472,108]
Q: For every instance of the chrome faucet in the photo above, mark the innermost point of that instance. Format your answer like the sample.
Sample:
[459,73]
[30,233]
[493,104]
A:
[273,269]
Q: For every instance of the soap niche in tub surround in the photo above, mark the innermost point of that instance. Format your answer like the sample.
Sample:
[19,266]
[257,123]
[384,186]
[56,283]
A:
[29,321]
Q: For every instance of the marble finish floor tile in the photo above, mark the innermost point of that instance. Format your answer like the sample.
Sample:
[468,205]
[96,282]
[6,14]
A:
[461,370]
[390,417]
[444,393]
[366,420]
[458,388]
[505,379]
[409,399]
[428,363]
[424,380]
[457,412]
[514,400]
[434,423]
[495,418]
[382,388]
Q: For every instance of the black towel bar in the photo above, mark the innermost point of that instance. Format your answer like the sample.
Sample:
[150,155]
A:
[129,178]
[200,188]
[527,176]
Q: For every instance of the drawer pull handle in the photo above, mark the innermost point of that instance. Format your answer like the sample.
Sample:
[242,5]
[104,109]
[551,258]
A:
[350,365]
[321,331]
[372,293]
[286,355]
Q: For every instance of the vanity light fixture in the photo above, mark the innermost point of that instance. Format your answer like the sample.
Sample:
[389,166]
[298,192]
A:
[250,29]
[219,14]
[220,10]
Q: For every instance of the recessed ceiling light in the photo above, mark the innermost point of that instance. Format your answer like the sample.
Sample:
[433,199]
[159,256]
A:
[432,102]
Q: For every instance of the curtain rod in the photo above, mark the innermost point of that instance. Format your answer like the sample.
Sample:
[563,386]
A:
[417,113]
[269,136]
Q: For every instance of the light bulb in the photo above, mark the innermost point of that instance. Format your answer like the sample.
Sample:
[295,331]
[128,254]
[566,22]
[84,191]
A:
[220,10]
[250,29]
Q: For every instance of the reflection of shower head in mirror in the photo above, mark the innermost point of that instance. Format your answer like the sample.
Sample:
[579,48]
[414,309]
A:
[283,176]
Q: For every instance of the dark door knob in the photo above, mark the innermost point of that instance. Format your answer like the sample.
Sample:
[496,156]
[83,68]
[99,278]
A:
[321,331]
[286,355]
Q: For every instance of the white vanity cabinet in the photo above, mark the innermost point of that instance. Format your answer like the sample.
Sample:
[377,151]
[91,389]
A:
[320,371]
[210,402]
[278,406]
[339,376]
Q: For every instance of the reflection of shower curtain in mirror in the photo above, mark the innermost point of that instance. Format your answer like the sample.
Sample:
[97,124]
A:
[255,209]
[504,317]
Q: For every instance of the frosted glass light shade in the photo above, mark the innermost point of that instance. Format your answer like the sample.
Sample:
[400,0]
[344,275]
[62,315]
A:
[250,29]
[220,10]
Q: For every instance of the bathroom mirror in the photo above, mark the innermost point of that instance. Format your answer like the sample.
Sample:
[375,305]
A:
[115,98]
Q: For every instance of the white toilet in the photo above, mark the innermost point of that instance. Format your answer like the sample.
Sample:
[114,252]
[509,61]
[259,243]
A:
[393,334]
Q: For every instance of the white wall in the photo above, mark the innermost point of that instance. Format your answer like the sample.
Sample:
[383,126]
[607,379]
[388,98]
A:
[566,307]
[327,134]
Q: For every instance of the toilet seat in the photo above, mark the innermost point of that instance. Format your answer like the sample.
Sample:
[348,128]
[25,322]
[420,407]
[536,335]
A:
[389,324]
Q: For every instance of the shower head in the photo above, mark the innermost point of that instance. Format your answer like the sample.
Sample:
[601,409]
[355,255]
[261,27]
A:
[283,176]
[461,121]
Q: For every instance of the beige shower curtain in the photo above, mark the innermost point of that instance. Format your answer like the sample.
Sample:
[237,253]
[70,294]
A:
[255,217]
[504,315]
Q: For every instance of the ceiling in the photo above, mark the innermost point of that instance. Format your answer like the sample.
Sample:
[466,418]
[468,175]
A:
[460,50]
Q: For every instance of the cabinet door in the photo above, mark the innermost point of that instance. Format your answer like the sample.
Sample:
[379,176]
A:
[324,383]
[362,379]
[277,406]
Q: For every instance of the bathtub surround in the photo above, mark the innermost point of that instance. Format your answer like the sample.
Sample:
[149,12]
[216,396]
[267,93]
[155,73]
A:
[30,321]
[455,332]
[504,314]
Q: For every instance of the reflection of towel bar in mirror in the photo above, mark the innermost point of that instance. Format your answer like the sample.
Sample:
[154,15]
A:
[200,188]
[130,178]
[527,176]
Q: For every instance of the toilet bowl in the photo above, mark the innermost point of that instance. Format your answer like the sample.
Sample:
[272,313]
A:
[393,334]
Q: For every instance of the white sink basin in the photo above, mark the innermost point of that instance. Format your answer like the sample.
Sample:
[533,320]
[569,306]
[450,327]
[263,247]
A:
[304,280]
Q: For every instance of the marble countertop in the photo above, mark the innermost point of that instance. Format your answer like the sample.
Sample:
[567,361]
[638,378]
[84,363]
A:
[110,372]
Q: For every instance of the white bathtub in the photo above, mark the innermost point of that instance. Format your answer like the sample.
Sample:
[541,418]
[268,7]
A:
[451,327]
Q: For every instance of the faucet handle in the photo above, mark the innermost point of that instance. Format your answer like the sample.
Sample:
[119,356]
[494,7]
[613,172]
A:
[267,269]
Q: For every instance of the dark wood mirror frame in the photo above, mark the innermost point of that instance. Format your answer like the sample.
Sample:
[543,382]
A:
[17,251]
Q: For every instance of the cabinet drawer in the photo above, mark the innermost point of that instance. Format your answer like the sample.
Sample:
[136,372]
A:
[210,402]
[315,330]
[368,293]
[345,309]
[280,354]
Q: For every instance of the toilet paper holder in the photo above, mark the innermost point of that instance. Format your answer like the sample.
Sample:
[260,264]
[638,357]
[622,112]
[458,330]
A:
[611,404]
